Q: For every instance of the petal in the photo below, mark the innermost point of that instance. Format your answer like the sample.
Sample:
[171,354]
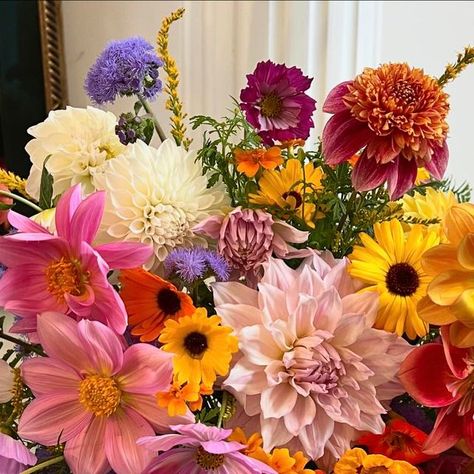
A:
[401,176]
[446,432]
[121,255]
[238,316]
[302,414]
[334,103]
[86,219]
[436,259]
[234,293]
[85,453]
[433,313]
[53,419]
[455,357]
[459,222]
[439,161]
[65,210]
[465,252]
[368,174]
[315,435]
[460,335]
[278,401]
[166,442]
[24,224]
[447,287]
[258,345]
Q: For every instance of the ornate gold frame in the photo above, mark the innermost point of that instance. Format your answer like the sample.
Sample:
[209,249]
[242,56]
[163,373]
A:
[52,48]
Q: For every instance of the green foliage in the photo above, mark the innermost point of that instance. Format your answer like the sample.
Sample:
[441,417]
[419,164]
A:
[46,187]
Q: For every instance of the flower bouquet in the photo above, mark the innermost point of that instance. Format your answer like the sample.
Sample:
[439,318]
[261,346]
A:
[248,304]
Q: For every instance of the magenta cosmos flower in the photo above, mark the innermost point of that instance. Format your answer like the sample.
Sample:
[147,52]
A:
[439,375]
[397,115]
[14,455]
[64,272]
[311,370]
[95,396]
[200,449]
[275,102]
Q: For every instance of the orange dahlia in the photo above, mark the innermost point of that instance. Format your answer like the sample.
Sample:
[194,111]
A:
[150,301]
[250,161]
[397,115]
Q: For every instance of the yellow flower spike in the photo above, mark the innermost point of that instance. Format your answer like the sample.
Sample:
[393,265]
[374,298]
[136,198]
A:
[13,182]
[453,70]
[173,104]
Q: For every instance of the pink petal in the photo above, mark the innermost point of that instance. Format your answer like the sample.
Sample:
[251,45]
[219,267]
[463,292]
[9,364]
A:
[166,442]
[45,375]
[234,293]
[15,451]
[315,435]
[146,370]
[401,176]
[334,103]
[222,447]
[175,461]
[121,434]
[86,219]
[81,305]
[446,432]
[381,150]
[110,306]
[24,224]
[210,227]
[122,255]
[65,210]
[455,357]
[278,401]
[343,136]
[368,174]
[85,453]
[54,418]
[439,161]
[302,414]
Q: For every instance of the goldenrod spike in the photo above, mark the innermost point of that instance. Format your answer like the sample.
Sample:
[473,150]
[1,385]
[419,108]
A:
[453,70]
[13,182]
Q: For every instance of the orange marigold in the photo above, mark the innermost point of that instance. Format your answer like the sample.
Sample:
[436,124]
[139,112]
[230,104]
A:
[250,161]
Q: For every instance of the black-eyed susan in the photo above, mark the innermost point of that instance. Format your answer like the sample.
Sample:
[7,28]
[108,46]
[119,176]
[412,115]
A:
[202,348]
[150,301]
[391,265]
[285,188]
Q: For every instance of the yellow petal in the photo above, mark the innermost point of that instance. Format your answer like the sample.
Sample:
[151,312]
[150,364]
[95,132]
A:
[466,252]
[433,313]
[460,335]
[440,258]
[447,287]
[459,222]
[464,308]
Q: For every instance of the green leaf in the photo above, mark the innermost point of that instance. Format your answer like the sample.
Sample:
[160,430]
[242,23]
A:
[213,180]
[5,207]
[137,107]
[148,130]
[46,187]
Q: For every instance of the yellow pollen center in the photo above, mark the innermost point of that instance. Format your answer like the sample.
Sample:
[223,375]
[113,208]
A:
[99,395]
[271,105]
[109,152]
[207,460]
[66,276]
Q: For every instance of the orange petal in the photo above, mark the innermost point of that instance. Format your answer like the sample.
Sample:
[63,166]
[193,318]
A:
[460,335]
[466,252]
[447,287]
[433,313]
[440,258]
[459,221]
[464,308]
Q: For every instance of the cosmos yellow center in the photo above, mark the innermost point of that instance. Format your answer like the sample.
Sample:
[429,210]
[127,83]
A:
[271,105]
[100,395]
[66,276]
[208,460]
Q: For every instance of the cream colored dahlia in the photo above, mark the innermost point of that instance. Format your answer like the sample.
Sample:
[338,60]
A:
[79,143]
[156,196]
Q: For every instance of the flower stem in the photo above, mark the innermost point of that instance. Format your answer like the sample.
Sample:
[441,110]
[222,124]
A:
[21,199]
[147,107]
[223,409]
[41,466]
[20,342]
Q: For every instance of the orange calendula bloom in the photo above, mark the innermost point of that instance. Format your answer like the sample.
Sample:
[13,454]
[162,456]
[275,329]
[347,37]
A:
[197,404]
[150,301]
[253,443]
[176,398]
[250,161]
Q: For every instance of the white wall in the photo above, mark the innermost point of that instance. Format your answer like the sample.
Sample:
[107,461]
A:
[218,42]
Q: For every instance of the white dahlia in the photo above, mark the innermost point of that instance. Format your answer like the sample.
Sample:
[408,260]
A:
[79,143]
[156,196]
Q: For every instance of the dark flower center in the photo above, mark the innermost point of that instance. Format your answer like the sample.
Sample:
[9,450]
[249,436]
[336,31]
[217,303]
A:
[402,279]
[168,301]
[271,105]
[208,461]
[406,92]
[195,343]
[296,200]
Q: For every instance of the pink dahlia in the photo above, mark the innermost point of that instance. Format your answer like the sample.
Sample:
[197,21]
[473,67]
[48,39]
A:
[65,272]
[312,371]
[248,237]
[14,455]
[439,375]
[95,396]
[275,102]
[397,115]
[200,449]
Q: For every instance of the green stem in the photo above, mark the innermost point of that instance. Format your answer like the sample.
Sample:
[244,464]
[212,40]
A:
[41,466]
[21,199]
[222,410]
[147,107]
[21,343]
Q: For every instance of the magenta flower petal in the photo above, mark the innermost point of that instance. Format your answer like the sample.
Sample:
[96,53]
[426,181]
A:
[367,174]
[14,455]
[439,161]
[401,176]
[446,432]
[334,103]
[23,224]
[65,210]
[124,254]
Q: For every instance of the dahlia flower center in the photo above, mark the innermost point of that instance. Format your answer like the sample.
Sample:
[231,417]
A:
[108,149]
[99,395]
[402,279]
[405,92]
[293,198]
[196,344]
[271,105]
[168,301]
[208,461]
[66,276]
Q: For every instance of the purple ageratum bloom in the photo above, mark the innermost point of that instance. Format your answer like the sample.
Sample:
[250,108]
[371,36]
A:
[14,455]
[201,449]
[192,264]
[125,67]
[274,102]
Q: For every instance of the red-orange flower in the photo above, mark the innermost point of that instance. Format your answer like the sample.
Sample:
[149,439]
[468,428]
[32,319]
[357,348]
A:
[250,161]
[400,441]
[150,301]
[397,114]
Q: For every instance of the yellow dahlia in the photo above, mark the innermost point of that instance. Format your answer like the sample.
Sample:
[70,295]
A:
[202,348]
[432,205]
[450,298]
[285,189]
[357,461]
[390,264]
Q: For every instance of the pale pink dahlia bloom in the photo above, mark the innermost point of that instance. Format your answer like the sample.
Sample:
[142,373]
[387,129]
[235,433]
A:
[95,396]
[65,272]
[311,369]
[248,237]
[200,449]
[15,457]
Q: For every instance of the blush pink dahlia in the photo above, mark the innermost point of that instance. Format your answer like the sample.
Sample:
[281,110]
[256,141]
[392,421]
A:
[95,396]
[246,238]
[200,449]
[275,102]
[397,114]
[14,455]
[311,370]
[64,272]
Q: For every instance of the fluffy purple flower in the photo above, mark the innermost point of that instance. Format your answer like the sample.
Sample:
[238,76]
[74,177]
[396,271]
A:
[200,449]
[125,67]
[274,102]
[14,455]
